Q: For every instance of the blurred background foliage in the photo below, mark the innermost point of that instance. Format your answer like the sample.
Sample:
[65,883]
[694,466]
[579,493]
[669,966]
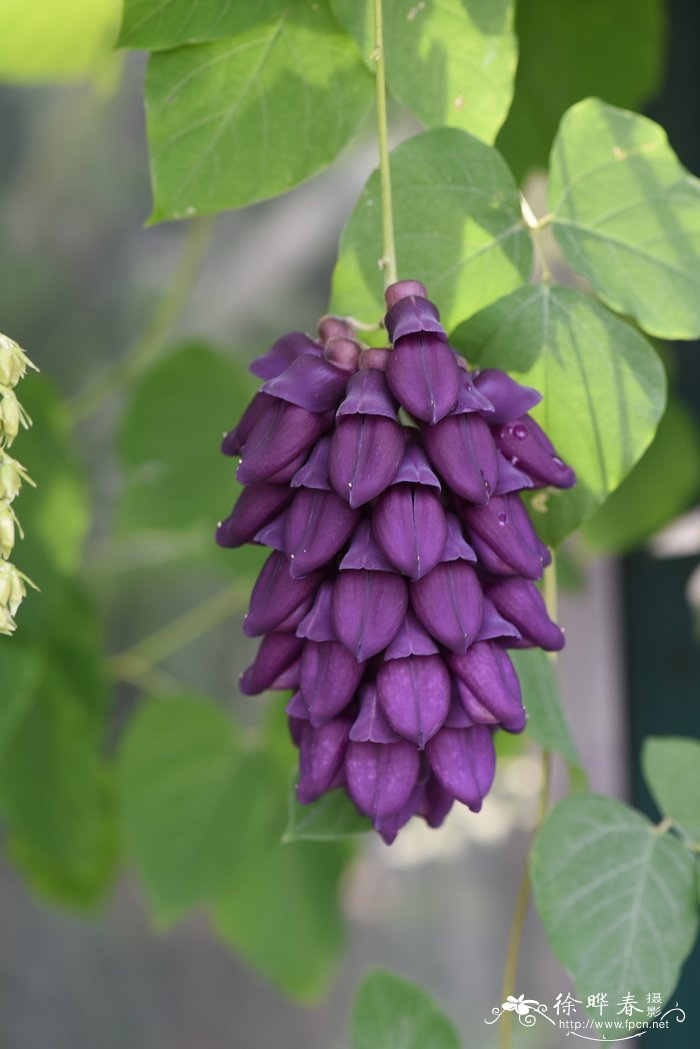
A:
[143,336]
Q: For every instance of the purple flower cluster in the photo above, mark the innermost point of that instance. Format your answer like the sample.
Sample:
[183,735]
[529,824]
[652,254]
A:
[386,483]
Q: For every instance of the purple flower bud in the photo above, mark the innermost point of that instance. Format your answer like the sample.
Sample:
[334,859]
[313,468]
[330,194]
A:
[457,716]
[365,454]
[371,725]
[374,357]
[423,375]
[493,625]
[276,654]
[415,468]
[521,603]
[449,603]
[456,546]
[331,327]
[436,802]
[368,394]
[365,552]
[286,472]
[415,696]
[297,710]
[272,534]
[509,398]
[328,678]
[381,777]
[280,434]
[316,525]
[282,353]
[368,609]
[276,596]
[403,289]
[411,640]
[410,315]
[310,382]
[464,762]
[317,624]
[491,681]
[235,439]
[461,449]
[256,506]
[314,472]
[470,399]
[527,446]
[343,352]
[390,827]
[504,529]
[321,754]
[510,478]
[409,524]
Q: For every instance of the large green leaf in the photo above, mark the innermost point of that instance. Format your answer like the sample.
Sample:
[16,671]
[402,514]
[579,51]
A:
[451,63]
[279,908]
[603,388]
[617,899]
[458,229]
[627,216]
[156,24]
[246,118]
[333,816]
[44,40]
[392,1013]
[569,50]
[55,789]
[672,770]
[662,484]
[174,475]
[546,721]
[182,796]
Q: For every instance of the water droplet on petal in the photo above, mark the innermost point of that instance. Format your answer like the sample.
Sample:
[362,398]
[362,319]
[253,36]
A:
[519,431]
[502,518]
[558,462]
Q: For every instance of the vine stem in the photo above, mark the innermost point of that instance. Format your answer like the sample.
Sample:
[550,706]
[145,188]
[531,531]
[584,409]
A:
[388,260]
[510,969]
[147,347]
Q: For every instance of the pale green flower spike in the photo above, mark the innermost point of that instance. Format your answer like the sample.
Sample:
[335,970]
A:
[13,366]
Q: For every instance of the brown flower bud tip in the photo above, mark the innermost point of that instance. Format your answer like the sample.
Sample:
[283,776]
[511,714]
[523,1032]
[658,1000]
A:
[330,327]
[342,352]
[374,358]
[402,290]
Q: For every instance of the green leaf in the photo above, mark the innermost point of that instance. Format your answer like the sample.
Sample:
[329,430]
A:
[571,50]
[55,789]
[627,216]
[279,908]
[458,229]
[669,469]
[546,720]
[617,899]
[156,24]
[392,1013]
[451,63]
[175,477]
[249,117]
[182,794]
[671,768]
[603,389]
[55,515]
[44,40]
[333,816]
[20,670]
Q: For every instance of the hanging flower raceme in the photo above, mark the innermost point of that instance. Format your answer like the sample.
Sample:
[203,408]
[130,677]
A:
[403,565]
[13,366]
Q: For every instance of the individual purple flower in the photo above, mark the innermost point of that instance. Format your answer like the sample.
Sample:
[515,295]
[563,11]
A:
[388,481]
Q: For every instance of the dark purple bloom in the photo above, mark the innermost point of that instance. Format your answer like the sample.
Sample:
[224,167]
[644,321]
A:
[463,452]
[365,454]
[403,560]
[410,526]
[423,375]
[449,603]
[368,609]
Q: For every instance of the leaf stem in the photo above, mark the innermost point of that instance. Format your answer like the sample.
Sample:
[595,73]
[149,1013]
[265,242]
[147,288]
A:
[510,970]
[388,260]
[149,344]
[134,662]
